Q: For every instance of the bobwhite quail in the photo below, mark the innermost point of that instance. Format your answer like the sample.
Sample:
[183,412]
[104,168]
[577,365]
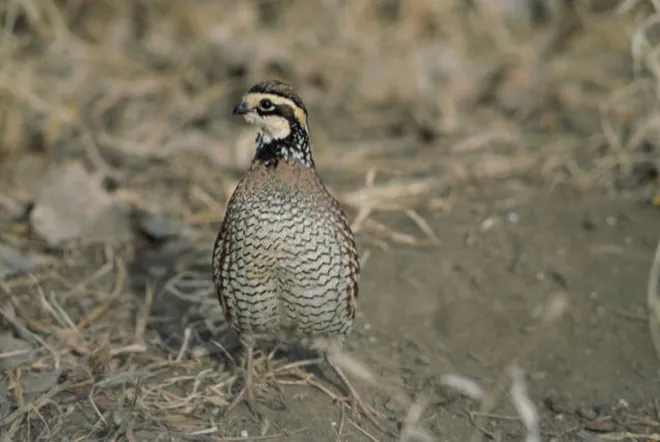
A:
[285,263]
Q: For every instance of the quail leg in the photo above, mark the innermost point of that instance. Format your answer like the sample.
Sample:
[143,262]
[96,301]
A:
[249,378]
[371,414]
[249,387]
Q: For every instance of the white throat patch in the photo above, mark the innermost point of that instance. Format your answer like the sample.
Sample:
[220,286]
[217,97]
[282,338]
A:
[273,127]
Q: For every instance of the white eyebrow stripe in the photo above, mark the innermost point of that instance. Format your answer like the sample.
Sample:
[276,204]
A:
[252,99]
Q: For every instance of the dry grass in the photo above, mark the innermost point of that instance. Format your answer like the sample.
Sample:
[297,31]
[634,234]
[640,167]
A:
[408,98]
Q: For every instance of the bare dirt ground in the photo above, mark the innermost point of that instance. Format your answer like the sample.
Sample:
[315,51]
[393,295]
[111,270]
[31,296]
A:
[498,162]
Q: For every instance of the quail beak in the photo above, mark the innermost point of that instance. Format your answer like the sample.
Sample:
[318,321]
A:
[241,109]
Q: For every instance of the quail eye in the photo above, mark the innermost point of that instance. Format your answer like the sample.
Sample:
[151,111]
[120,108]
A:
[266,104]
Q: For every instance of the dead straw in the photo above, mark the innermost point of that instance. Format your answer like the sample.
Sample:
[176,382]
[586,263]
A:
[653,300]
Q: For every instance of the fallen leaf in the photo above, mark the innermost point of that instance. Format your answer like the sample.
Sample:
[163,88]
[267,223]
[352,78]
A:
[14,352]
[13,262]
[73,205]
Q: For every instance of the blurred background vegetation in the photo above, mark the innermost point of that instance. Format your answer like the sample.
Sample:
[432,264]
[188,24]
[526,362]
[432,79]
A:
[118,152]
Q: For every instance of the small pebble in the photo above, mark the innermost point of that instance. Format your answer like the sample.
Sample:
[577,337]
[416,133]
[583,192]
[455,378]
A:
[600,426]
[586,412]
[391,406]
[198,353]
[559,404]
[588,225]
[512,217]
[488,223]
[538,376]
